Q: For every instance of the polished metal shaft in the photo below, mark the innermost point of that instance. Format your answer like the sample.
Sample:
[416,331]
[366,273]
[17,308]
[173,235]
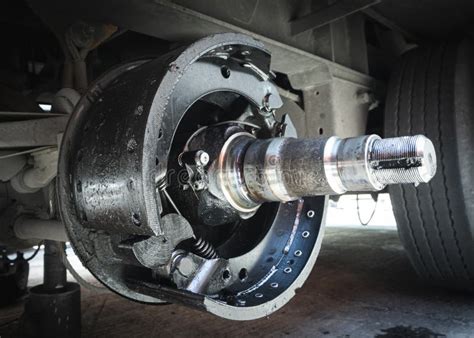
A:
[369,163]
[254,171]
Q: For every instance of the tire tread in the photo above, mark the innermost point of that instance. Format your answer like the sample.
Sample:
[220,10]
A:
[431,218]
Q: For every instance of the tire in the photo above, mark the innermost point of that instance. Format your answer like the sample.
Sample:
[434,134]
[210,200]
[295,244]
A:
[431,92]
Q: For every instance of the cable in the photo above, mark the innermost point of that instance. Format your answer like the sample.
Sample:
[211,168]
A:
[373,211]
[35,253]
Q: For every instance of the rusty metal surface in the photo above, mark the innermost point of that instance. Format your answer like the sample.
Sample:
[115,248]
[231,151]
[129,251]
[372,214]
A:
[111,163]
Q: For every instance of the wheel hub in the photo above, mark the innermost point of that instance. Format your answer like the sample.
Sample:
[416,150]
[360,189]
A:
[178,184]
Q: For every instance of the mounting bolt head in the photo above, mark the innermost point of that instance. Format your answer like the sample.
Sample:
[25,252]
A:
[202,158]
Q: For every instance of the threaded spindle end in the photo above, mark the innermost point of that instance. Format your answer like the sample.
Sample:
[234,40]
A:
[409,159]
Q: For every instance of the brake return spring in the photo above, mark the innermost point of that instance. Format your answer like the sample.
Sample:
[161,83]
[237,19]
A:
[204,249]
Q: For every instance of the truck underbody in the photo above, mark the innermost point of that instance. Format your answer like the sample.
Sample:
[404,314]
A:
[187,150]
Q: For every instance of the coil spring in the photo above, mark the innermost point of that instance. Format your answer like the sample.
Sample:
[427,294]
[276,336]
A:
[204,249]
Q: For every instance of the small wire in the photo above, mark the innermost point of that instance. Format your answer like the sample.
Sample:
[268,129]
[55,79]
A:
[24,152]
[373,211]
[35,253]
[171,200]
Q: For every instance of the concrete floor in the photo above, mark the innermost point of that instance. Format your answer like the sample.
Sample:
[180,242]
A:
[362,286]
